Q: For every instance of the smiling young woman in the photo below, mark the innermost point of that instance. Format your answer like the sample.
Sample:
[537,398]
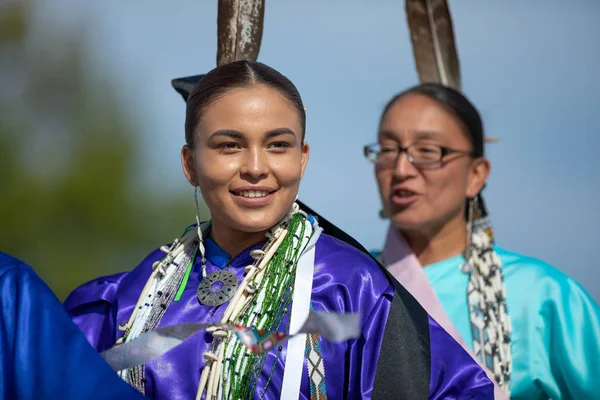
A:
[256,263]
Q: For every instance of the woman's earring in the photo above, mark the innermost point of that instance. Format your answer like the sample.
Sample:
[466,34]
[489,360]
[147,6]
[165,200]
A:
[382,214]
[199,229]
[470,225]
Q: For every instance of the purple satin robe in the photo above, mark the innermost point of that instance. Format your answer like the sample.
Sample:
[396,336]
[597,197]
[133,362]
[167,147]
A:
[345,280]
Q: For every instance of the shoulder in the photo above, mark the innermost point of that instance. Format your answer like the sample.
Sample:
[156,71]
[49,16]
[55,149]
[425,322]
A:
[22,292]
[349,263]
[330,248]
[10,265]
[105,288]
[544,283]
[14,273]
[530,269]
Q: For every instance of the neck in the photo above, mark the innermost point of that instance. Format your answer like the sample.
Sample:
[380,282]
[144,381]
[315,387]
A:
[234,241]
[434,245]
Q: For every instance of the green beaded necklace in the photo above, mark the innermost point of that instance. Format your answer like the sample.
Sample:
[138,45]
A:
[277,289]
[262,300]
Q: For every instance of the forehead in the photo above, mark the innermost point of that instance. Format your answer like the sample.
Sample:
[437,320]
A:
[250,110]
[416,116]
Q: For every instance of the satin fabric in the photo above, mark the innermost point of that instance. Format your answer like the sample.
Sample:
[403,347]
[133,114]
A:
[345,280]
[402,263]
[43,354]
[555,325]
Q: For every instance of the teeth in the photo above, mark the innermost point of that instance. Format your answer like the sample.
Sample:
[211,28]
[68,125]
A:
[253,193]
[404,193]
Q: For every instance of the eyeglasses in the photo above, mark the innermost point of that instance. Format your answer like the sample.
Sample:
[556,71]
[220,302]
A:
[418,154]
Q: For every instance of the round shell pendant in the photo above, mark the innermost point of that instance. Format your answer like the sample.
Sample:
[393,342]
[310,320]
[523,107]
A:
[217,288]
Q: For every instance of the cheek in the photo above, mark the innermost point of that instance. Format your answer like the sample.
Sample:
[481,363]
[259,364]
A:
[384,180]
[214,172]
[446,189]
[287,170]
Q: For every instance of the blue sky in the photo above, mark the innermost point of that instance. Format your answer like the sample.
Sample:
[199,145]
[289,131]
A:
[530,66]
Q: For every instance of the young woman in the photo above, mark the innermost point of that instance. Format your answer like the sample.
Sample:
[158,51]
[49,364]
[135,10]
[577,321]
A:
[263,262]
[535,329]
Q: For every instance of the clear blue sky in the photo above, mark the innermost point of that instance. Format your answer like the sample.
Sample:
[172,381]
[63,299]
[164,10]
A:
[530,66]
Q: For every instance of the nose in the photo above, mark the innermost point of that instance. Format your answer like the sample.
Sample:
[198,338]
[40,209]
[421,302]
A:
[404,168]
[255,165]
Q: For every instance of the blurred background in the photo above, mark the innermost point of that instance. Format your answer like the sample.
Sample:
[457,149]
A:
[90,128]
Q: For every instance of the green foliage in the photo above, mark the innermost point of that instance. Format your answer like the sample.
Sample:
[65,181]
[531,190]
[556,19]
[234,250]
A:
[70,205]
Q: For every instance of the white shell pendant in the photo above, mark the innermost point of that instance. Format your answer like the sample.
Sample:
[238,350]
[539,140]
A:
[217,288]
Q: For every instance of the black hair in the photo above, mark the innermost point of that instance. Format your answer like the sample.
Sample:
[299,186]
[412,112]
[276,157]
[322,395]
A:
[238,74]
[454,102]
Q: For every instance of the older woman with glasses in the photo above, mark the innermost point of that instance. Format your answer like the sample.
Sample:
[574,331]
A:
[535,330]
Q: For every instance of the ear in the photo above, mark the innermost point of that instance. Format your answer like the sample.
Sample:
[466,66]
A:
[188,162]
[304,160]
[478,174]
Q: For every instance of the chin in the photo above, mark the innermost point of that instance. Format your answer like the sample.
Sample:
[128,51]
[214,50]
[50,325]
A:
[257,221]
[408,221]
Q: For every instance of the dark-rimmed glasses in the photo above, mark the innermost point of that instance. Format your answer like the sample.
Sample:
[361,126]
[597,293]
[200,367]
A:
[418,154]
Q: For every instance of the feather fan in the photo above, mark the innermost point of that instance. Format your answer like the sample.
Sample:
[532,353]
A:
[239,30]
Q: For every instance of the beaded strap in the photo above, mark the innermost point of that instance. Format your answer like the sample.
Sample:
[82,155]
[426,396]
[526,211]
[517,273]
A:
[315,364]
[316,367]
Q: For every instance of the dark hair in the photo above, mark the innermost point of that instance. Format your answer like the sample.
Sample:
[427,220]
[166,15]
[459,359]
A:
[238,74]
[455,103]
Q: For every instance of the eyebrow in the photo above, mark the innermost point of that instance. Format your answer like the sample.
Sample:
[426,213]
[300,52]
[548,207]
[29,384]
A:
[419,135]
[232,133]
[278,132]
[427,135]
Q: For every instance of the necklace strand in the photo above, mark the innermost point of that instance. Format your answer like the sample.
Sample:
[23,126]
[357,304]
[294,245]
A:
[261,301]
[254,305]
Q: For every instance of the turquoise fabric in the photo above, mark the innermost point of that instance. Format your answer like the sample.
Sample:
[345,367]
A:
[555,325]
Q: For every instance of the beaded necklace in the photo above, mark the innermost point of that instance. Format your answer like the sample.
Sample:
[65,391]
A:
[261,301]
[231,370]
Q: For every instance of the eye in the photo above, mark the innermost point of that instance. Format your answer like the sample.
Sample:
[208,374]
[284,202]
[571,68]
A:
[279,145]
[427,149]
[425,153]
[228,147]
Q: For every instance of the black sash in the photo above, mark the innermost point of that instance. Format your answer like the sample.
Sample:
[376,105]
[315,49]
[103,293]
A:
[404,364]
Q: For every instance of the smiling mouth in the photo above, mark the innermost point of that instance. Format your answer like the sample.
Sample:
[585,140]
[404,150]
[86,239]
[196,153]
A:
[252,194]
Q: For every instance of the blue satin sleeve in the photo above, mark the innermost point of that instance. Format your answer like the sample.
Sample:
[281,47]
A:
[43,353]
[563,330]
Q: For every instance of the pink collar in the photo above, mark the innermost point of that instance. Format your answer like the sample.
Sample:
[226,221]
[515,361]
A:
[403,264]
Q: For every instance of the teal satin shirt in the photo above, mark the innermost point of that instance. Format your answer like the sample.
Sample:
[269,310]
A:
[555,326]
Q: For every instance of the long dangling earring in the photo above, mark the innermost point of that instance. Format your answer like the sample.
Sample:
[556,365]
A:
[470,228]
[199,228]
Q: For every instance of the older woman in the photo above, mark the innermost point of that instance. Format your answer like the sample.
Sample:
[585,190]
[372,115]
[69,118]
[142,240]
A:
[263,262]
[536,330]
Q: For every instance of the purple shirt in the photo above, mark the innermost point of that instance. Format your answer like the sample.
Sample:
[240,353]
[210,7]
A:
[345,280]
